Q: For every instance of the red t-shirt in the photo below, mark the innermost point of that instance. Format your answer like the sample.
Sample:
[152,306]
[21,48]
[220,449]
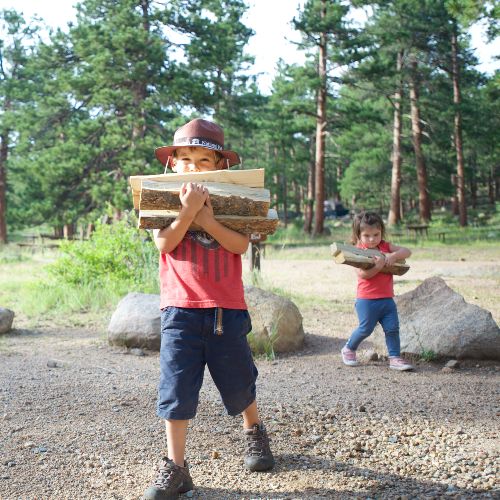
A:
[199,272]
[379,286]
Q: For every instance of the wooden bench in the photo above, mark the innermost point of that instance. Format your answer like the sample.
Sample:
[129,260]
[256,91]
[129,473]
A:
[417,230]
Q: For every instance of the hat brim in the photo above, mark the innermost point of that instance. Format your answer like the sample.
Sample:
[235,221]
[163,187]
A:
[164,152]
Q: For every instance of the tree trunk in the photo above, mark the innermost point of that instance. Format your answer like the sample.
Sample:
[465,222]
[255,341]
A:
[68,231]
[320,132]
[424,205]
[394,210]
[284,187]
[4,152]
[491,185]
[473,182]
[309,202]
[296,197]
[457,102]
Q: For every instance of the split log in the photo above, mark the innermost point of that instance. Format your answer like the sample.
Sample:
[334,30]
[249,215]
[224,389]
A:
[225,198]
[360,258]
[158,219]
[250,178]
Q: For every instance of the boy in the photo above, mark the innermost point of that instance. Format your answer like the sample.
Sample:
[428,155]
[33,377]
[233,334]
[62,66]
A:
[204,316]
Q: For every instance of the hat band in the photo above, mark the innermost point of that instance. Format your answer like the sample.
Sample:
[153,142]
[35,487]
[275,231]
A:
[198,141]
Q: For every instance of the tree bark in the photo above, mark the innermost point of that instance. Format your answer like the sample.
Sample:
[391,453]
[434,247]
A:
[457,102]
[424,205]
[309,202]
[491,185]
[320,131]
[395,211]
[4,152]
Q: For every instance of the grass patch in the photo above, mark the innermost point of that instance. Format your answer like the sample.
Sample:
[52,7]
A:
[428,355]
[263,346]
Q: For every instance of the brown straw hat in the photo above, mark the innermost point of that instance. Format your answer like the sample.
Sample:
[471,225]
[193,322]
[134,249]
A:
[200,133]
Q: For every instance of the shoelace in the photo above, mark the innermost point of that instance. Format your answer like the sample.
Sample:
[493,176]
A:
[257,445]
[165,472]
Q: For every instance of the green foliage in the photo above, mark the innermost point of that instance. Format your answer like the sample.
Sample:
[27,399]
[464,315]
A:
[82,109]
[264,346]
[428,355]
[115,253]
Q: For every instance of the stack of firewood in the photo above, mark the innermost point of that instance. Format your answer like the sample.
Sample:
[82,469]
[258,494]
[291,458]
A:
[238,198]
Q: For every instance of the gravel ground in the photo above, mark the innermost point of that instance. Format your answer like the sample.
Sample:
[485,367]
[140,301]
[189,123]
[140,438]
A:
[78,417]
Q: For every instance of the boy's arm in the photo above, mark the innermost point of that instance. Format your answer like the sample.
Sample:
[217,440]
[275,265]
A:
[231,240]
[192,197]
[168,238]
[397,253]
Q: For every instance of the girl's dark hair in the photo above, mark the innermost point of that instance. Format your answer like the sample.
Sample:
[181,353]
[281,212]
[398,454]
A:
[366,219]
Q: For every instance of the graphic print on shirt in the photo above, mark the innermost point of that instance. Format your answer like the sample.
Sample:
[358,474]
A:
[204,239]
[203,249]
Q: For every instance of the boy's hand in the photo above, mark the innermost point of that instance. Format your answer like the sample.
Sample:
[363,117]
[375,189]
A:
[205,214]
[193,197]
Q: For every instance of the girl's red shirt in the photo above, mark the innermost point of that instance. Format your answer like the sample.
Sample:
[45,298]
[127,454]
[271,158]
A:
[381,285]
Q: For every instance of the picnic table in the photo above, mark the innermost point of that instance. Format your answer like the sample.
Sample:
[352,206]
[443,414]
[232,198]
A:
[417,230]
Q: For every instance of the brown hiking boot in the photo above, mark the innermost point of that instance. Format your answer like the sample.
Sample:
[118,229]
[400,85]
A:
[259,456]
[170,481]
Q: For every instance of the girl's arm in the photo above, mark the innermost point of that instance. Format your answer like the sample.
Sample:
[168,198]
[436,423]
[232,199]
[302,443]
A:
[396,253]
[232,241]
[370,273]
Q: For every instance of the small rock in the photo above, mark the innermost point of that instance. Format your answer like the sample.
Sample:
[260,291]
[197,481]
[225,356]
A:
[52,363]
[362,408]
[137,351]
[453,363]
[215,454]
[447,369]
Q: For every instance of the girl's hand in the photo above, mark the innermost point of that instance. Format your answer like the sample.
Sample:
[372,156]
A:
[205,214]
[379,261]
[390,259]
[193,197]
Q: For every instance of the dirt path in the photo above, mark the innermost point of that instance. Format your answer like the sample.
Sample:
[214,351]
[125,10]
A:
[78,417]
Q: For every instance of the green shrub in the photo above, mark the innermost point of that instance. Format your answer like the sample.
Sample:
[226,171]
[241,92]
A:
[115,253]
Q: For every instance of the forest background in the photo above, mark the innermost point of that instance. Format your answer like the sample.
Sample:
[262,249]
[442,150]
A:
[392,115]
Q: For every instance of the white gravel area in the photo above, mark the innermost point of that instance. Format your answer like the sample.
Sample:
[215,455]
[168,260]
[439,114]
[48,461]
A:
[77,417]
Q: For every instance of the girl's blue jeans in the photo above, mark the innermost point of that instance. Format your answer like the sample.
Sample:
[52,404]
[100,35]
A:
[373,311]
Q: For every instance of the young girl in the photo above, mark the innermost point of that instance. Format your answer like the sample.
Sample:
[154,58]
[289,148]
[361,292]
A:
[374,298]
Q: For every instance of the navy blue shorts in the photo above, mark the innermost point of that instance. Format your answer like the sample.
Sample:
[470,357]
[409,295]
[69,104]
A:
[193,338]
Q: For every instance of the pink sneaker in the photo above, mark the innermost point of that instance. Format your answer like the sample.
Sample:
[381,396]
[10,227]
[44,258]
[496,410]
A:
[348,356]
[398,363]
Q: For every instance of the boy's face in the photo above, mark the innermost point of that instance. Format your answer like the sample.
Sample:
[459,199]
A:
[194,159]
[370,236]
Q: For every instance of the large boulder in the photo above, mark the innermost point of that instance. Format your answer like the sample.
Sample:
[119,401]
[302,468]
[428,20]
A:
[275,319]
[136,322]
[434,318]
[6,319]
